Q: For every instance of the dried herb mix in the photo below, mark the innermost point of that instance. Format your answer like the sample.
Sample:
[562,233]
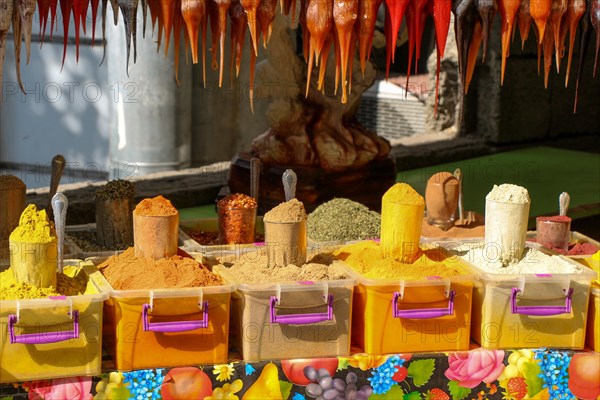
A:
[343,219]
[117,189]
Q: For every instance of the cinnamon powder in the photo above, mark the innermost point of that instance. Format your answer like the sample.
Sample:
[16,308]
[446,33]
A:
[155,207]
[127,272]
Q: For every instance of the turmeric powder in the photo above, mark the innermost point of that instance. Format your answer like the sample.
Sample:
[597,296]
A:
[402,210]
[366,258]
[403,193]
[33,249]
[71,282]
[34,227]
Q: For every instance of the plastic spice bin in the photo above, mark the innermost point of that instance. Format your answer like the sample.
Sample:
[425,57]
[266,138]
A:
[592,338]
[576,237]
[406,316]
[210,225]
[72,230]
[53,337]
[291,320]
[166,327]
[531,310]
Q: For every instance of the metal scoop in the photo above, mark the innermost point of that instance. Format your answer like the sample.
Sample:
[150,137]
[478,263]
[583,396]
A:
[563,203]
[464,218]
[59,206]
[289,179]
[58,166]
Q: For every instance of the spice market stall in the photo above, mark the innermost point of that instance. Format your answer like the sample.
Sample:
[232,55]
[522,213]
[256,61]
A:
[426,300]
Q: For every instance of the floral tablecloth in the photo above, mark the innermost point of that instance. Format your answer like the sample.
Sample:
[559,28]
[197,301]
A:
[476,374]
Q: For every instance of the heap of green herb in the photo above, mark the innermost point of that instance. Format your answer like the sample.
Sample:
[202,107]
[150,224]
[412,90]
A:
[117,189]
[343,219]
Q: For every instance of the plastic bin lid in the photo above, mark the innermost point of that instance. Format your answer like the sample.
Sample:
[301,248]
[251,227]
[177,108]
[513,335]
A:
[586,274]
[471,275]
[89,269]
[282,285]
[102,282]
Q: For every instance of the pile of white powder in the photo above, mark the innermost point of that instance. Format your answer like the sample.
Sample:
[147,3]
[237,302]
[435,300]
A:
[508,193]
[534,261]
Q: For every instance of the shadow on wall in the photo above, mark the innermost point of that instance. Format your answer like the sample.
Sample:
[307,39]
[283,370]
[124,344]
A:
[62,112]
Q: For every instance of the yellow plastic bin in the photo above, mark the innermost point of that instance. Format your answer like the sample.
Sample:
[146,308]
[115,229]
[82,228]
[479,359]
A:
[53,337]
[409,316]
[167,327]
[592,339]
[291,320]
[512,311]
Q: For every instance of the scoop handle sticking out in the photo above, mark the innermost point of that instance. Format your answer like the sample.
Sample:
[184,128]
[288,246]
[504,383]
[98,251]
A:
[254,177]
[563,203]
[59,206]
[458,175]
[58,166]
[289,184]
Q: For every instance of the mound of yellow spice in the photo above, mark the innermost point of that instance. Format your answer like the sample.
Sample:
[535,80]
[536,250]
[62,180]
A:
[34,227]
[367,259]
[73,281]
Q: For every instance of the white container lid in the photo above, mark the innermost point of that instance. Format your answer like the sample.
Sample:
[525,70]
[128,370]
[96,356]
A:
[586,274]
[470,276]
[101,281]
[58,301]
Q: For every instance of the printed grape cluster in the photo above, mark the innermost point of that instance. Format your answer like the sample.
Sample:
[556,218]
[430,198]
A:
[516,364]
[324,387]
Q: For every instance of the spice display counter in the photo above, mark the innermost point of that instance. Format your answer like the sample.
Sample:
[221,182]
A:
[476,374]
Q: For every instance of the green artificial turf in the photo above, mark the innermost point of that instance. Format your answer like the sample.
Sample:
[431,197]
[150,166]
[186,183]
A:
[544,171]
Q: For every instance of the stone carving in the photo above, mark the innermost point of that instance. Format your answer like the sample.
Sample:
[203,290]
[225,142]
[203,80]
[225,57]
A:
[318,130]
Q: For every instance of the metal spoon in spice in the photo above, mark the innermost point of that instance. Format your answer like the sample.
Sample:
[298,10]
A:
[464,218]
[59,206]
[289,179]
[563,203]
[58,166]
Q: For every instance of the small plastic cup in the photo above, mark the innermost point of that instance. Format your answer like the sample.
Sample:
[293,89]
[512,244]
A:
[114,222]
[401,230]
[236,225]
[34,263]
[286,243]
[553,232]
[506,229]
[155,237]
[441,200]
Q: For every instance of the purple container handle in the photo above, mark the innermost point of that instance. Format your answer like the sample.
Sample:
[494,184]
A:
[175,326]
[541,311]
[422,313]
[43,337]
[301,319]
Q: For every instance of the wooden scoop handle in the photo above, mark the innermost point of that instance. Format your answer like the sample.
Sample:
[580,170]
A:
[58,166]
